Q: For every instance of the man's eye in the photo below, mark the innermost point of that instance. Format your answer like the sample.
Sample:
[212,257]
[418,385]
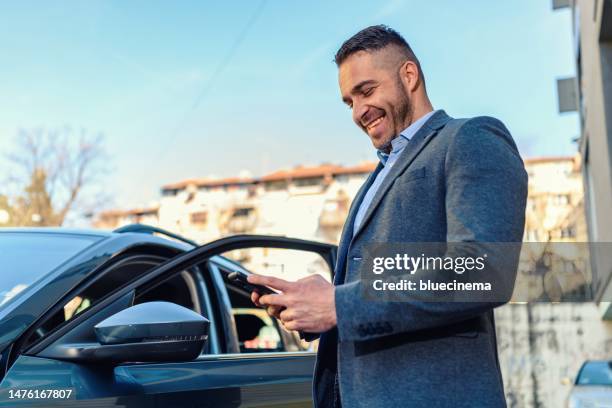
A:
[368,92]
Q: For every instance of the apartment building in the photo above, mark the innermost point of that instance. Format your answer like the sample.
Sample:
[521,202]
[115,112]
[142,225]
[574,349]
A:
[309,202]
[555,210]
[313,202]
[590,94]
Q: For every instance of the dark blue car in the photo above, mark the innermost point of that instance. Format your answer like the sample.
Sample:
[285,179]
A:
[141,317]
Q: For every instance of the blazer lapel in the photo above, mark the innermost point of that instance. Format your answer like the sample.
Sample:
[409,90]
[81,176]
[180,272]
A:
[407,156]
[347,231]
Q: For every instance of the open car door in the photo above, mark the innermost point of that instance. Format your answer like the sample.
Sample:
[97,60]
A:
[103,356]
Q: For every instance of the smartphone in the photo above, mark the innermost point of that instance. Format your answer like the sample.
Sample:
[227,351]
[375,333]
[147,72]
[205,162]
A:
[239,278]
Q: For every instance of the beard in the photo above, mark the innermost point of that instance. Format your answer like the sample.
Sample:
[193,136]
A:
[402,114]
[403,110]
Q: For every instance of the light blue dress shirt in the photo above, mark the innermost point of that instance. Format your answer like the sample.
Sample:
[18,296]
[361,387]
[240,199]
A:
[397,146]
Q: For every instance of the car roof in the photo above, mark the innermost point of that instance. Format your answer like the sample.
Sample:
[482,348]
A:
[58,230]
[151,237]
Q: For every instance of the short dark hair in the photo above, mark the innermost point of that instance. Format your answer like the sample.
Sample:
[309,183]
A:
[374,38]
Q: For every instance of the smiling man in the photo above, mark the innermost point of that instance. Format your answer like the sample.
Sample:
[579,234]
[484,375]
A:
[439,180]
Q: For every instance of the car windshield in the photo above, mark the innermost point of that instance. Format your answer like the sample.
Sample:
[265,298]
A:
[596,373]
[27,257]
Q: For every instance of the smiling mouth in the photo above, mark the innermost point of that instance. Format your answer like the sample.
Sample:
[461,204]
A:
[375,122]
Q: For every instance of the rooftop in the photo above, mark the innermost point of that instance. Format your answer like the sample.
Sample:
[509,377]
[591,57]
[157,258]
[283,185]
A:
[297,172]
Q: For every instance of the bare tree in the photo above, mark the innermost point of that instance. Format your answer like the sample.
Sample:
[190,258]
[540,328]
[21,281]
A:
[50,171]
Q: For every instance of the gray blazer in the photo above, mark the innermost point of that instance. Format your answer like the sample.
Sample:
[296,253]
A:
[457,180]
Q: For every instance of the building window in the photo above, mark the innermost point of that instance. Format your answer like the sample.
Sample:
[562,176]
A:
[341,178]
[199,218]
[276,185]
[169,192]
[243,212]
[308,182]
[568,232]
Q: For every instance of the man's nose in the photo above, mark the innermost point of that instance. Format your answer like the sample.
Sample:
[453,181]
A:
[359,112]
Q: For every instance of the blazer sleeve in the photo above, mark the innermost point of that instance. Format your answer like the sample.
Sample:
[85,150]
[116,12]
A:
[486,192]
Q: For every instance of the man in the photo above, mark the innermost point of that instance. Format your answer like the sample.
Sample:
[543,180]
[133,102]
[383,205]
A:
[439,180]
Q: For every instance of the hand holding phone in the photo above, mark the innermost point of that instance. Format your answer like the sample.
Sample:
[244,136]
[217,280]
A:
[239,278]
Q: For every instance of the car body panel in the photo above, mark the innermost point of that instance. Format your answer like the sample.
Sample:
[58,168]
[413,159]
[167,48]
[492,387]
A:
[592,394]
[223,380]
[593,385]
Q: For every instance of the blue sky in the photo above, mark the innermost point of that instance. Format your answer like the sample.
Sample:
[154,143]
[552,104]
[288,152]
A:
[201,88]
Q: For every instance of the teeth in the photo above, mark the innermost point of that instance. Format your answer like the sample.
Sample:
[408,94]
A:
[375,123]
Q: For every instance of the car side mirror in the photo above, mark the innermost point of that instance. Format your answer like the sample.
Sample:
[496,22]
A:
[154,331]
[148,332]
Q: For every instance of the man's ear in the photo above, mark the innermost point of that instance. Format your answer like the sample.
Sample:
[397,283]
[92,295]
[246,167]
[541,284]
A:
[409,75]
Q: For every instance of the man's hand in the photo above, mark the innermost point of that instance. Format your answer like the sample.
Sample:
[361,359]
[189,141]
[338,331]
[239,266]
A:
[307,305]
[273,311]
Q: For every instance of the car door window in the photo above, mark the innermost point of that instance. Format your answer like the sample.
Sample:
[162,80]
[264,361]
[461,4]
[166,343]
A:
[288,264]
[118,274]
[180,289]
[256,330]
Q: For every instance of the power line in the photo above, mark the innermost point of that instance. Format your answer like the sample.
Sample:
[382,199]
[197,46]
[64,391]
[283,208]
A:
[230,54]
[174,134]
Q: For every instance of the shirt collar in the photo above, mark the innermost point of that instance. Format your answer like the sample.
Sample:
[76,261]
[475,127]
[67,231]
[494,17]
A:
[398,144]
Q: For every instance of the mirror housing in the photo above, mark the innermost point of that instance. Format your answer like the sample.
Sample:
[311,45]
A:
[148,332]
[150,322]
